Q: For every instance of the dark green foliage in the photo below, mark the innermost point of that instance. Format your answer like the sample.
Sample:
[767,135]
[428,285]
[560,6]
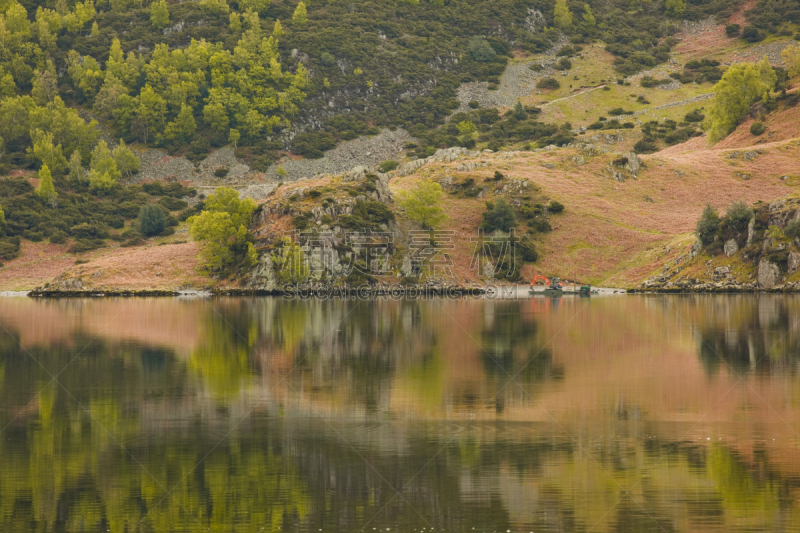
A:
[152,220]
[86,245]
[519,111]
[708,225]
[548,83]
[14,187]
[649,81]
[481,50]
[699,71]
[569,50]
[33,236]
[738,216]
[732,30]
[172,204]
[619,111]
[527,250]
[58,237]
[221,172]
[751,34]
[555,207]
[563,64]
[174,189]
[645,147]
[312,144]
[196,209]
[792,229]
[367,215]
[694,116]
[757,128]
[387,166]
[499,216]
[9,247]
[302,221]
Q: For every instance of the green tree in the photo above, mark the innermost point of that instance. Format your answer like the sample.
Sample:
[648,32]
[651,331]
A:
[741,86]
[481,50]
[45,190]
[675,8]
[44,151]
[233,137]
[562,15]
[277,30]
[216,7]
[422,202]
[235,22]
[159,14]
[183,126]
[150,113]
[468,130]
[95,31]
[291,265]
[222,228]
[152,220]
[300,15]
[519,111]
[707,226]
[45,84]
[588,16]
[259,6]
[76,167]
[791,58]
[499,216]
[126,161]
[103,171]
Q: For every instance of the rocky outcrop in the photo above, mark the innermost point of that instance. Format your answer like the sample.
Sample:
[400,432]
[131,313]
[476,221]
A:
[731,247]
[768,274]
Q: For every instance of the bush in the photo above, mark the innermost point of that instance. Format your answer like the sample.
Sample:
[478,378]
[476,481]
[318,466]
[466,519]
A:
[752,34]
[758,128]
[548,83]
[694,116]
[388,166]
[327,59]
[564,64]
[481,50]
[738,215]
[474,104]
[152,220]
[172,204]
[33,236]
[499,216]
[708,225]
[527,250]
[58,237]
[555,207]
[732,30]
[792,229]
[312,144]
[645,147]
[9,248]
[85,245]
[221,172]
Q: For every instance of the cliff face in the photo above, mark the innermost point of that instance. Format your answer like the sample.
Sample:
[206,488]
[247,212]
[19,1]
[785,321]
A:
[761,254]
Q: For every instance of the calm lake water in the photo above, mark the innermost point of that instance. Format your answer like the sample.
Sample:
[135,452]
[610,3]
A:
[627,413]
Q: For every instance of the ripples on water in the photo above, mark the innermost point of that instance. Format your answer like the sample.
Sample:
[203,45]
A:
[606,414]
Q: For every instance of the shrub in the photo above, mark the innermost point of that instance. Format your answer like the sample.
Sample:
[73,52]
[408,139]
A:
[33,236]
[548,83]
[85,245]
[388,166]
[732,30]
[757,128]
[738,215]
[221,172]
[312,144]
[172,204]
[564,64]
[751,34]
[481,50]
[499,216]
[58,237]
[792,229]
[555,207]
[9,247]
[708,225]
[474,104]
[152,220]
[422,204]
[694,116]
[327,59]
[527,250]
[645,147]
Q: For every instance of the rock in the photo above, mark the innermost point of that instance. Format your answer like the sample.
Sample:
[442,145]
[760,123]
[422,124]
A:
[731,247]
[696,248]
[578,160]
[768,274]
[548,165]
[634,164]
[794,262]
[751,230]
[721,272]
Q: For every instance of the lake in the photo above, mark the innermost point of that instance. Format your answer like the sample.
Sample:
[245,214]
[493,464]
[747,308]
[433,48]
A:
[620,413]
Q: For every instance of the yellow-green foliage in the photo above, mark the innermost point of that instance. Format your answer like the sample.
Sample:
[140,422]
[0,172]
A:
[291,265]
[45,190]
[791,58]
[421,204]
[159,14]
[126,161]
[103,171]
[741,86]
[562,15]
[300,15]
[222,228]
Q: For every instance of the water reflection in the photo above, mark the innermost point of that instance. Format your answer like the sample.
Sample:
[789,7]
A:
[634,414]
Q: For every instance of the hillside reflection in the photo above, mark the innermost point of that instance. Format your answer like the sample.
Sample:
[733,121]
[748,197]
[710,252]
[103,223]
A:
[634,414]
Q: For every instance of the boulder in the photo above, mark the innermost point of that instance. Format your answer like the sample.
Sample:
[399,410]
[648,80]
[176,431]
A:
[731,247]
[634,164]
[794,262]
[696,248]
[751,230]
[768,274]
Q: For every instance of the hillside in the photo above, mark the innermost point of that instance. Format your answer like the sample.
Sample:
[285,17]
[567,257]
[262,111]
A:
[605,118]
